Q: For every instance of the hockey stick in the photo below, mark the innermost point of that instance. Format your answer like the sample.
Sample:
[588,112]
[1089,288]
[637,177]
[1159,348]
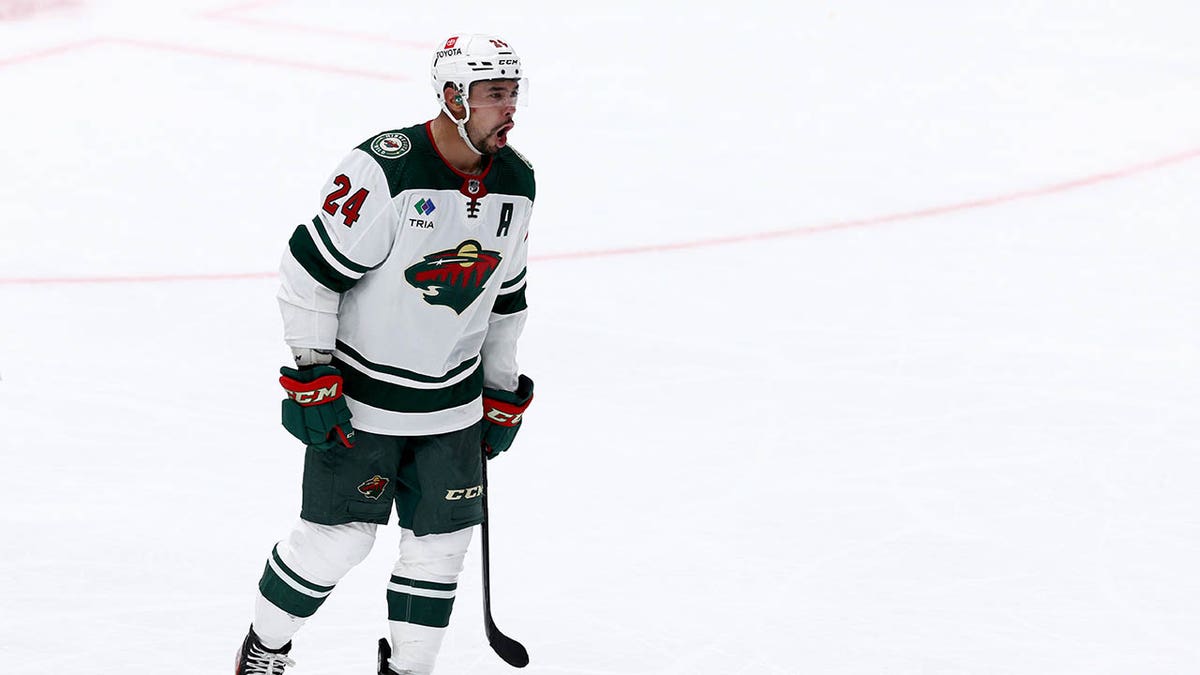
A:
[513,653]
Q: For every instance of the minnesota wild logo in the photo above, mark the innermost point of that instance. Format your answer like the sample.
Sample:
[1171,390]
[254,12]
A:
[455,277]
[373,487]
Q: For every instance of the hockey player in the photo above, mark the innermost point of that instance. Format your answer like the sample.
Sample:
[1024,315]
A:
[402,302]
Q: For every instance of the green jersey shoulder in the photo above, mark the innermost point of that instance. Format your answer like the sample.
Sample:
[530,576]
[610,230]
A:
[410,161]
[514,173]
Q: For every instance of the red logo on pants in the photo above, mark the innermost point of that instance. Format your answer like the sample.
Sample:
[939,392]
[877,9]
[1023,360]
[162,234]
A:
[373,487]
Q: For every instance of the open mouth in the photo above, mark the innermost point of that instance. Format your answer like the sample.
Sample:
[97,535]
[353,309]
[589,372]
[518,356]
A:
[502,134]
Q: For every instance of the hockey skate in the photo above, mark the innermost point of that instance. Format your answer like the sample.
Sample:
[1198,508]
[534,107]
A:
[255,659]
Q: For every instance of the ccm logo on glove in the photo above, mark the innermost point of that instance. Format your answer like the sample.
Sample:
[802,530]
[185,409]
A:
[324,389]
[502,413]
[315,411]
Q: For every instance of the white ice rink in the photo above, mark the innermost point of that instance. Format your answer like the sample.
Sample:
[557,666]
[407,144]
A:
[866,334]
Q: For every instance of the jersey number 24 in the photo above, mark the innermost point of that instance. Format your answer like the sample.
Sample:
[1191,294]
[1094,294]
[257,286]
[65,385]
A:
[352,205]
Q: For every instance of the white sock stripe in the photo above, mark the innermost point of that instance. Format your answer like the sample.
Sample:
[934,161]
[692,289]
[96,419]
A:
[423,592]
[297,586]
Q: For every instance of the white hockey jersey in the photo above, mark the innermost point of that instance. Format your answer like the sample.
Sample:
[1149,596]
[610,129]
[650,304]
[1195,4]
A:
[413,273]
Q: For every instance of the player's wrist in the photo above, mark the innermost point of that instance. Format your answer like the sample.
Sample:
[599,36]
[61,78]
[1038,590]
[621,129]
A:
[306,357]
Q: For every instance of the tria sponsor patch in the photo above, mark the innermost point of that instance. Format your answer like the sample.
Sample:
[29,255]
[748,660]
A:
[425,206]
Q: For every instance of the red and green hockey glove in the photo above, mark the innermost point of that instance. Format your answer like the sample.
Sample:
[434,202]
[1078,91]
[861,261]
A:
[314,410]
[502,413]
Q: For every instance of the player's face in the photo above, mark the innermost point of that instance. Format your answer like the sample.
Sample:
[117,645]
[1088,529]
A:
[493,104]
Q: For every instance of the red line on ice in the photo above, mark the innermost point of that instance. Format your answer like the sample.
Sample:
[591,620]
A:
[241,7]
[236,276]
[202,51]
[358,36]
[49,51]
[933,211]
[930,212]
[230,14]
[254,58]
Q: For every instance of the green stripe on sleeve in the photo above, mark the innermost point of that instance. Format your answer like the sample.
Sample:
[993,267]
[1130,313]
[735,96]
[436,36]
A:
[305,251]
[337,255]
[511,303]
[515,280]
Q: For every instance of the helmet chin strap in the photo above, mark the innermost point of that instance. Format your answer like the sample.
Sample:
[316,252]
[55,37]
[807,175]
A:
[462,132]
[462,124]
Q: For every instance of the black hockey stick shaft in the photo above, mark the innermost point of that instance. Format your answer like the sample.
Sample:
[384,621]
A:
[513,652]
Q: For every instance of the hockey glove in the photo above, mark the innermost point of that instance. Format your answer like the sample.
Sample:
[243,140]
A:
[314,410]
[502,412]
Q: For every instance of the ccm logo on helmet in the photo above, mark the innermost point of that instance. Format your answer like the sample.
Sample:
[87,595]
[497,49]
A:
[469,493]
[508,62]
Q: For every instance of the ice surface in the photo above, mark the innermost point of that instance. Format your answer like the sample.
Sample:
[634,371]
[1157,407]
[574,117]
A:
[899,372]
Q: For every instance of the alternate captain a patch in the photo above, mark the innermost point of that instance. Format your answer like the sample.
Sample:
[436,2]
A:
[455,277]
[391,145]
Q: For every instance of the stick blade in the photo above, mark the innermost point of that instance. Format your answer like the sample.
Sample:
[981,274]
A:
[512,652]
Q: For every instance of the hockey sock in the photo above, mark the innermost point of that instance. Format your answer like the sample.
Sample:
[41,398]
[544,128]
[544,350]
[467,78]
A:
[421,596]
[289,590]
[425,603]
[301,573]
[273,626]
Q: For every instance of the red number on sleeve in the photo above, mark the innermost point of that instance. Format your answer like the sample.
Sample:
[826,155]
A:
[351,207]
[343,184]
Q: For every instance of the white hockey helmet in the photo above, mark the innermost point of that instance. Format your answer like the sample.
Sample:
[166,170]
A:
[465,59]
